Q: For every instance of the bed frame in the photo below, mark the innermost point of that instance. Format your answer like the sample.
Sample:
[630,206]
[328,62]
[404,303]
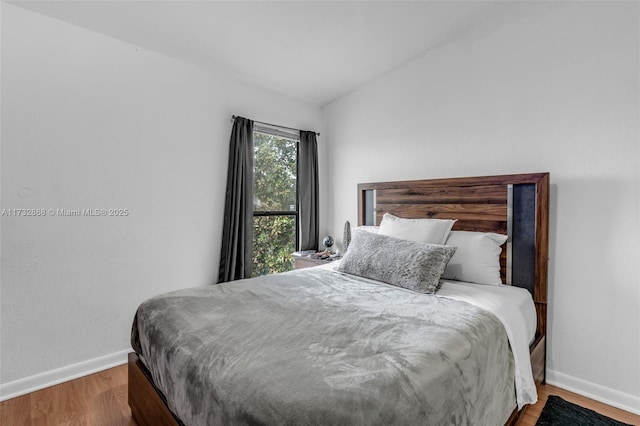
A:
[514,205]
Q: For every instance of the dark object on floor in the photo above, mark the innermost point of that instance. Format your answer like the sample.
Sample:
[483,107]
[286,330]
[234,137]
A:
[558,412]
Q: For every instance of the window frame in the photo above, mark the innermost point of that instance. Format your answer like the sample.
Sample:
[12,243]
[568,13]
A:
[290,134]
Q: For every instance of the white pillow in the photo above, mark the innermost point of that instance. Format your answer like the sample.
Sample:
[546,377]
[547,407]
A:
[477,259]
[434,231]
[368,228]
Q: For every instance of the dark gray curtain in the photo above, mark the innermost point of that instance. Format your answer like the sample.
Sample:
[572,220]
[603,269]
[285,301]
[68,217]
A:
[237,233]
[308,190]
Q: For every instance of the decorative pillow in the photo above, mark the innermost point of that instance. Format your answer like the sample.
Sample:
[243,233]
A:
[408,264]
[477,259]
[434,231]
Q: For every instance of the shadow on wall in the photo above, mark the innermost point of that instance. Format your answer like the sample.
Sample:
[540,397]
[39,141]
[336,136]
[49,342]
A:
[593,231]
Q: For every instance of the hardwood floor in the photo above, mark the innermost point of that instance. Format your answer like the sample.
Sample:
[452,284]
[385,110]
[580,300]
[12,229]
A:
[101,400]
[95,400]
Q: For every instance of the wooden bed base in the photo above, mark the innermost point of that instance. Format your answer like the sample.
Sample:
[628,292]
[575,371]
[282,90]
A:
[479,203]
[148,405]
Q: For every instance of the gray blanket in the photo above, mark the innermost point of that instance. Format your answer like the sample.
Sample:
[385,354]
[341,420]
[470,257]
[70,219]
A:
[314,347]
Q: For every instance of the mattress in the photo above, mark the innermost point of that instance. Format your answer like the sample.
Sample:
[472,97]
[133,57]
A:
[318,347]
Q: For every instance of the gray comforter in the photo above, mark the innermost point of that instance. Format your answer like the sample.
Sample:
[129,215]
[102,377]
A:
[315,347]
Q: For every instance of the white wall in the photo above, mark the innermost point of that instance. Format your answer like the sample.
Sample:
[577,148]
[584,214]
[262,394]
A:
[92,122]
[544,86]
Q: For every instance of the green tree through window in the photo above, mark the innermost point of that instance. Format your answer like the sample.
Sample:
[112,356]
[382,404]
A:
[275,207]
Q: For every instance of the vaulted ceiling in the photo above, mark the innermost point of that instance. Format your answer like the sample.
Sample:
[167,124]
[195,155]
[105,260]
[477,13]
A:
[315,51]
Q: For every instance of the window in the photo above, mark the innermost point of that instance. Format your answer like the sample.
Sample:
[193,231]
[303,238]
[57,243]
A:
[275,205]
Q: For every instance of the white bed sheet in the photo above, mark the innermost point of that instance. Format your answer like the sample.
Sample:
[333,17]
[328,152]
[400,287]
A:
[514,307]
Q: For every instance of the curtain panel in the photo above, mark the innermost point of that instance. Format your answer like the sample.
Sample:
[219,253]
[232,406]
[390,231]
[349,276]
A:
[308,222]
[237,231]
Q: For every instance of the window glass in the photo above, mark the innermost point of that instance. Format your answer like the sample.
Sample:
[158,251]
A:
[274,173]
[274,239]
[275,203]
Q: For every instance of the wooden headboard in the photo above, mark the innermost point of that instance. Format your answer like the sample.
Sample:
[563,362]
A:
[514,205]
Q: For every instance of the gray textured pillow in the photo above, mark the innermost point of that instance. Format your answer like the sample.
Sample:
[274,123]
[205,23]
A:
[408,264]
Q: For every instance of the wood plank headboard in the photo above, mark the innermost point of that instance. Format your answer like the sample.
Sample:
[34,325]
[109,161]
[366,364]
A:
[514,205]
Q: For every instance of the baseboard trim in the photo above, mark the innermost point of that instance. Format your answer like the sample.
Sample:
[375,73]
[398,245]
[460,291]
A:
[60,375]
[621,400]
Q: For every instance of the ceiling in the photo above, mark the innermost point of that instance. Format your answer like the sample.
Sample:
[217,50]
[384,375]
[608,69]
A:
[314,51]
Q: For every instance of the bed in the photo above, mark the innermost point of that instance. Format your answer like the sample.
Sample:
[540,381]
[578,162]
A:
[320,346]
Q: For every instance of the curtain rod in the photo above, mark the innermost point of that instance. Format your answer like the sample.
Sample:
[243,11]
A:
[233,117]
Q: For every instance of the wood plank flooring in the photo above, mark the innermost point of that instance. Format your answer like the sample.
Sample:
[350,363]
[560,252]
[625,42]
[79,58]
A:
[101,400]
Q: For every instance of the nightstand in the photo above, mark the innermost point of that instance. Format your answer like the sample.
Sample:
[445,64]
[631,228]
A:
[307,262]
